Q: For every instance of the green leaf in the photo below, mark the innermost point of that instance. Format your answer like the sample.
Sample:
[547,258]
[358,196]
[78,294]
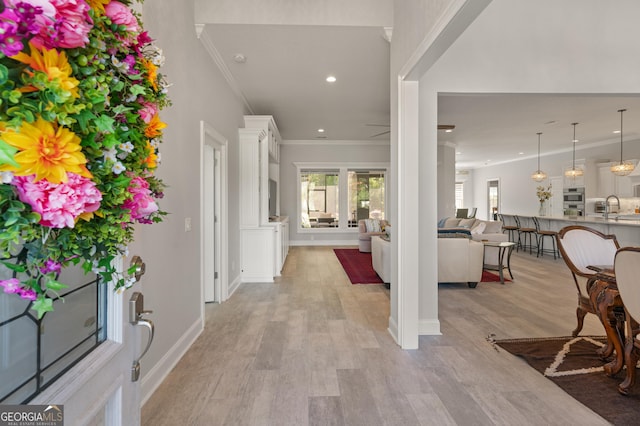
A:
[104,124]
[42,305]
[83,119]
[136,90]
[15,267]
[55,285]
[6,154]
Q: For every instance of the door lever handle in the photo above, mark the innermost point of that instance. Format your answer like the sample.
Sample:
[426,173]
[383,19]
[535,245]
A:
[136,313]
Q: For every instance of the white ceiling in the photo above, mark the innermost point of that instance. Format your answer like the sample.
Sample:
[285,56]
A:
[285,71]
[284,76]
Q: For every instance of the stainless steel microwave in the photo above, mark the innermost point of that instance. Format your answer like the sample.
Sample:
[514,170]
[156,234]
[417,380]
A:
[574,195]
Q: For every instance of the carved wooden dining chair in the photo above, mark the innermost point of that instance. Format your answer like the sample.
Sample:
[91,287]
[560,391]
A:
[581,247]
[627,270]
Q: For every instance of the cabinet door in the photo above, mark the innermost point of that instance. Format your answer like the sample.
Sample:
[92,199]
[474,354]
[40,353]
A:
[606,182]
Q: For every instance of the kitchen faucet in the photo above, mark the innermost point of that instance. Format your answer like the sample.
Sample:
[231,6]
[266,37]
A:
[606,205]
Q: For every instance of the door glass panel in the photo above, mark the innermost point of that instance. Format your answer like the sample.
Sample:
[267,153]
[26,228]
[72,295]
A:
[33,353]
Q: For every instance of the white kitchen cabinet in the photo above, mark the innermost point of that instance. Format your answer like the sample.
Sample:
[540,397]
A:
[610,184]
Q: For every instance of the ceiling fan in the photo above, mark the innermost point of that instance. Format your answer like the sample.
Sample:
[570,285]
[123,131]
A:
[440,127]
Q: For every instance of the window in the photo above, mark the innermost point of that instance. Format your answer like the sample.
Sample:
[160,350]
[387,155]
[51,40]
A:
[334,197]
[459,195]
[319,195]
[366,195]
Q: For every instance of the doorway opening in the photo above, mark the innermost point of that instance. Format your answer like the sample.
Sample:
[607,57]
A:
[213,196]
[493,198]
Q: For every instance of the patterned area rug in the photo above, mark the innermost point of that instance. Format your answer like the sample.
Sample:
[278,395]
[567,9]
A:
[490,277]
[573,365]
[358,266]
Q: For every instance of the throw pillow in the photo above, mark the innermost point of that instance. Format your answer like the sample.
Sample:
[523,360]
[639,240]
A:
[466,223]
[494,227]
[451,222]
[479,228]
[373,225]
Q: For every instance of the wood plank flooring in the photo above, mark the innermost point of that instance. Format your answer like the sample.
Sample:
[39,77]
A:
[313,349]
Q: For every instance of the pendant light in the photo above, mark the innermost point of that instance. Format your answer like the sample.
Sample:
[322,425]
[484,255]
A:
[539,175]
[575,171]
[624,167]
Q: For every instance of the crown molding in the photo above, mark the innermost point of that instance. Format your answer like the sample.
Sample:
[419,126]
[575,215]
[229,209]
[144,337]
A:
[205,39]
[333,142]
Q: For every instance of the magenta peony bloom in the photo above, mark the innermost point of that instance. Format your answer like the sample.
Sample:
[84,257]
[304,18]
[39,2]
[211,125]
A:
[61,23]
[28,293]
[148,111]
[51,266]
[11,286]
[141,204]
[59,204]
[121,15]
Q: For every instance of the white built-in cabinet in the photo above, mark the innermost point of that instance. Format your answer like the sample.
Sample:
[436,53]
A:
[610,184]
[264,242]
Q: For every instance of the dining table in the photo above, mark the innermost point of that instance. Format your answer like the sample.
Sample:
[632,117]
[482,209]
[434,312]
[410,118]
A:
[604,295]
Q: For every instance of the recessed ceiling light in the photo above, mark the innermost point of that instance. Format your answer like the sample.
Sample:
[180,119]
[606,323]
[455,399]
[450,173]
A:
[576,140]
[521,153]
[320,130]
[239,58]
[331,79]
[448,131]
[616,131]
[458,153]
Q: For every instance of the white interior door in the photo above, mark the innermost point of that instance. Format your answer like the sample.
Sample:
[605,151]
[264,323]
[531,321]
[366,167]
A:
[99,390]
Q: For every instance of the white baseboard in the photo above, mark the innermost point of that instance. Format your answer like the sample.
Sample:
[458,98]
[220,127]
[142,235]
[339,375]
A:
[393,329]
[429,328]
[323,243]
[234,286]
[159,372]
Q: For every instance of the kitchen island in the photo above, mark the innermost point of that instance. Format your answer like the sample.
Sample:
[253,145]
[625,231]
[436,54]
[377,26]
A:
[626,227]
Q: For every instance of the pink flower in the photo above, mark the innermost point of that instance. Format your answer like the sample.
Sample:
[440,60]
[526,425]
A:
[141,203]
[28,293]
[121,15]
[62,23]
[59,204]
[75,23]
[147,111]
[51,266]
[11,286]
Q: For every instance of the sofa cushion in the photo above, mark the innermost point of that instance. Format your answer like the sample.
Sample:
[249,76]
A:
[373,225]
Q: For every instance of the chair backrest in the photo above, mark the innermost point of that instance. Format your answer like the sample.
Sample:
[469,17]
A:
[536,223]
[517,220]
[627,269]
[462,213]
[581,246]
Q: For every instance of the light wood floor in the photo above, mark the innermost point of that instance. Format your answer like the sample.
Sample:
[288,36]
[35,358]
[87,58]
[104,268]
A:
[312,349]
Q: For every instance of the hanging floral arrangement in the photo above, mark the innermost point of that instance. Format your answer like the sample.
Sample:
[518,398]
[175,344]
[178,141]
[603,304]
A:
[81,90]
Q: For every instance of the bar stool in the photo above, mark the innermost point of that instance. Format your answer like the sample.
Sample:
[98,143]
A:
[511,229]
[527,232]
[541,234]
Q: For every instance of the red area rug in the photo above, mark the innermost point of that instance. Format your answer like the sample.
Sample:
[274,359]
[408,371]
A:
[490,277]
[358,266]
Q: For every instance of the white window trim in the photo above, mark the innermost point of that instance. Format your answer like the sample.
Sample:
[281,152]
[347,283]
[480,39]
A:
[343,200]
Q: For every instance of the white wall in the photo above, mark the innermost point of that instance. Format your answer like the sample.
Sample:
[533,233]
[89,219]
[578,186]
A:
[520,46]
[172,282]
[347,153]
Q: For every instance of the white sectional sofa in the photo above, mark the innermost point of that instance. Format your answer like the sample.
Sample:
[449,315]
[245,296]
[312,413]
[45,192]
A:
[480,230]
[459,260]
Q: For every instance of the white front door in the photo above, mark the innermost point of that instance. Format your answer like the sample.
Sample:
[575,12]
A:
[99,390]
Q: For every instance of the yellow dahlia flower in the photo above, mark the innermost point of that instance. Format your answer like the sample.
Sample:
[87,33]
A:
[46,150]
[154,127]
[54,64]
[98,5]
